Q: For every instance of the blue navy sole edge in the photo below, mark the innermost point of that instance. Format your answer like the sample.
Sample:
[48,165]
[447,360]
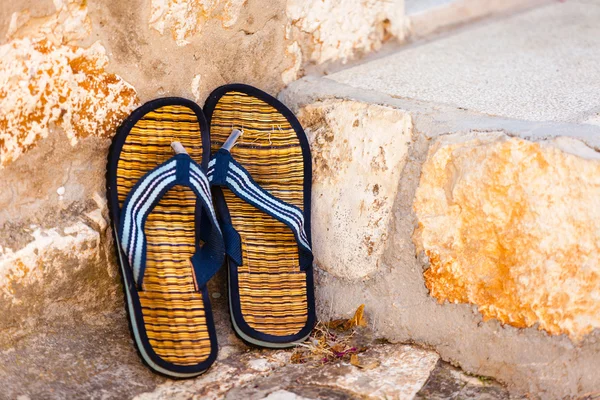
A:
[259,343]
[133,307]
[241,327]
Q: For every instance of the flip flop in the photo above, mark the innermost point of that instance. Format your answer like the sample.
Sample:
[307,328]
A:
[167,237]
[262,190]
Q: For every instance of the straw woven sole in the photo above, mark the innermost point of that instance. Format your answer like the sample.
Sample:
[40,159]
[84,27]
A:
[271,299]
[171,321]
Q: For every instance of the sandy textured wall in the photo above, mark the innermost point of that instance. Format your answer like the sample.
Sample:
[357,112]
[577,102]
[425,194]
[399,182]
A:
[72,70]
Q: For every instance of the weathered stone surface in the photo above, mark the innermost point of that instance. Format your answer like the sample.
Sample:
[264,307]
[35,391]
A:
[339,30]
[448,382]
[25,265]
[262,43]
[68,24]
[184,19]
[71,71]
[54,185]
[96,360]
[309,32]
[358,151]
[315,31]
[45,81]
[91,355]
[401,372]
[88,360]
[60,275]
[57,257]
[511,226]
[398,372]
[59,104]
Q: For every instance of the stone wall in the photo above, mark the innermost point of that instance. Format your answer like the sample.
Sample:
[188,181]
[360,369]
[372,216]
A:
[387,190]
[72,70]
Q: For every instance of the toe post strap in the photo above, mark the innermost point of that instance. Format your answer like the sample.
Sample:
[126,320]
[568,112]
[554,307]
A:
[223,170]
[146,194]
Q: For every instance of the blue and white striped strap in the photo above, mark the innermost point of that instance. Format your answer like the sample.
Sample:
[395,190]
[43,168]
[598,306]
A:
[223,170]
[145,195]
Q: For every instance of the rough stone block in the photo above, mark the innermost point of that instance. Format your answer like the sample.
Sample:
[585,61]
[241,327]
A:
[513,227]
[60,273]
[394,372]
[358,151]
[333,30]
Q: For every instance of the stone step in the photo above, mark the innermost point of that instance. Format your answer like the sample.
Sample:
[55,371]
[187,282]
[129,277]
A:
[61,364]
[458,179]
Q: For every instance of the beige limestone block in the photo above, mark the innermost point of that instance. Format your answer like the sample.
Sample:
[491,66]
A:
[67,25]
[340,29]
[45,81]
[387,372]
[358,152]
[401,372]
[292,73]
[513,226]
[184,18]
[46,252]
[43,84]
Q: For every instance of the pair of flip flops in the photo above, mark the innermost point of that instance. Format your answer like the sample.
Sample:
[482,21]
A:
[184,202]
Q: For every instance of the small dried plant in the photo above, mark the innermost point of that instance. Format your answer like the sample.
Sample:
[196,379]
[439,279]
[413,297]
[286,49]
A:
[332,341]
